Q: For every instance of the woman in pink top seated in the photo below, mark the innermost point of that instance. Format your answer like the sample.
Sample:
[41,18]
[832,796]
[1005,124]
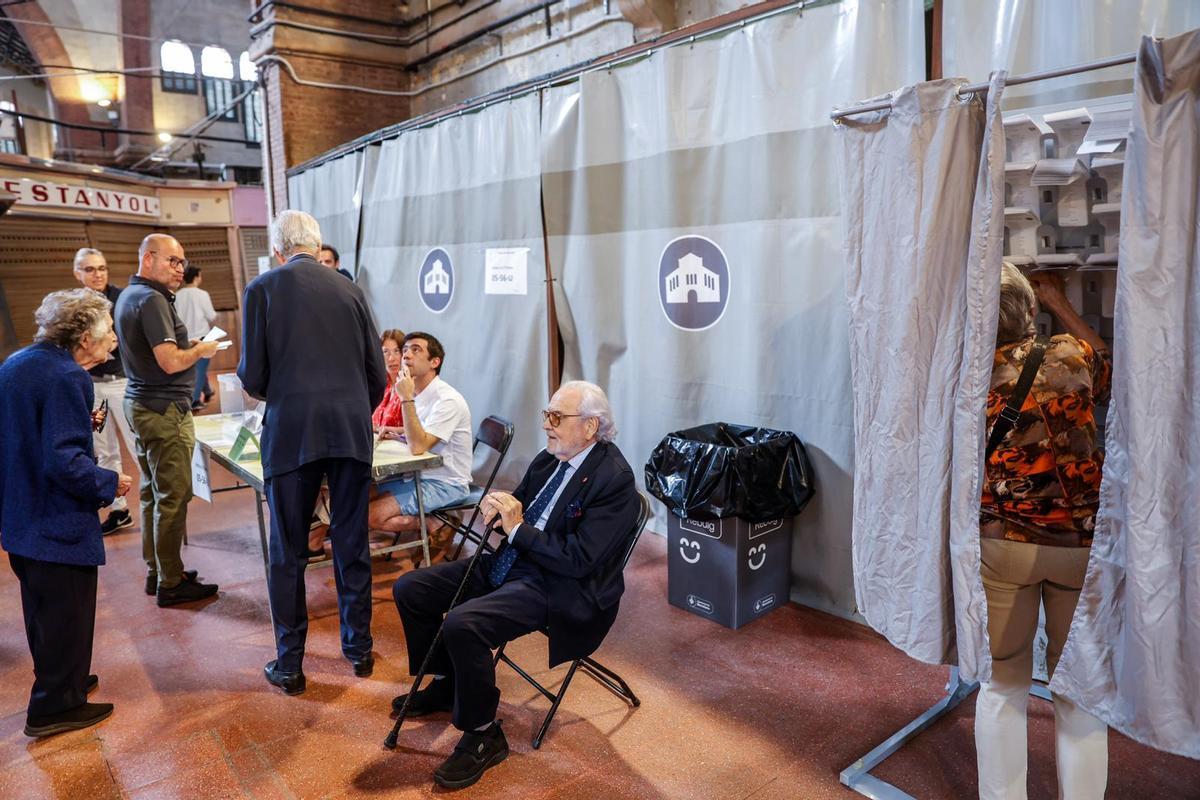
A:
[387,419]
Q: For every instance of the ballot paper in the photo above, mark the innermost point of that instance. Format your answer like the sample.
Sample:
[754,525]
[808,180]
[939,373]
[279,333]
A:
[1107,131]
[1058,172]
[224,344]
[215,334]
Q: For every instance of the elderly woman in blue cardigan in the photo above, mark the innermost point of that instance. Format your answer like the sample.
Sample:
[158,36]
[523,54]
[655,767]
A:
[50,492]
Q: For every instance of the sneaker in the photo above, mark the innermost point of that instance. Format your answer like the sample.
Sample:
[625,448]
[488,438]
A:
[475,753]
[115,522]
[152,580]
[437,696]
[188,591]
[83,716]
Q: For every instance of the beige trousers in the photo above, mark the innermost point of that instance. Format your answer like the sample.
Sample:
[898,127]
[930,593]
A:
[1017,579]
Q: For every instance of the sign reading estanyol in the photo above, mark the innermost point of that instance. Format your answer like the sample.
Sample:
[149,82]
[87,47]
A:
[435,280]
[693,282]
[86,198]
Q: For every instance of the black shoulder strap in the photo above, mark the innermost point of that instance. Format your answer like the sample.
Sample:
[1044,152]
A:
[1012,411]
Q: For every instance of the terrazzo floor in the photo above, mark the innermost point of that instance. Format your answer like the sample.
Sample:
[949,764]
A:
[771,712]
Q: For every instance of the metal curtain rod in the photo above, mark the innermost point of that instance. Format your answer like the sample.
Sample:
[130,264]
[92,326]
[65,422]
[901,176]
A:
[981,88]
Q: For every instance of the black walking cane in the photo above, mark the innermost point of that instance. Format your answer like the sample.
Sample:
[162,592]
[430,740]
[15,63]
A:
[390,741]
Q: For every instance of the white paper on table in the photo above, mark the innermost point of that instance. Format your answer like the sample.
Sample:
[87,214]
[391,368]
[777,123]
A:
[200,487]
[214,334]
[506,270]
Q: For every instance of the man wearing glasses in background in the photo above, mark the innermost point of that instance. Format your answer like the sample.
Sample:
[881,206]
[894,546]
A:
[160,365]
[566,528]
[108,381]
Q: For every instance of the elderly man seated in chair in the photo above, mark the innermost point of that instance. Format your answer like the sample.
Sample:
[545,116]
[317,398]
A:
[566,529]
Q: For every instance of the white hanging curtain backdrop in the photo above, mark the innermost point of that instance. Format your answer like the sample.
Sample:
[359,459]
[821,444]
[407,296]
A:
[1133,654]
[716,159]
[332,193]
[1032,35]
[923,277]
[447,195]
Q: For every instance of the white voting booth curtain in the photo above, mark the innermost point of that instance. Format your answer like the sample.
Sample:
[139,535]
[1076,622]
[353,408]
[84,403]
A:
[331,192]
[440,205]
[1133,654]
[692,217]
[1024,36]
[923,203]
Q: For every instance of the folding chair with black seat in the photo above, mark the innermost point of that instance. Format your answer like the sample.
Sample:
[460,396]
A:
[602,674]
[496,433]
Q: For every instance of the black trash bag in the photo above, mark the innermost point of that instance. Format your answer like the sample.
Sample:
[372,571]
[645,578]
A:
[723,470]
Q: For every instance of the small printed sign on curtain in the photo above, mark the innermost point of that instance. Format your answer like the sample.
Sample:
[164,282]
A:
[506,270]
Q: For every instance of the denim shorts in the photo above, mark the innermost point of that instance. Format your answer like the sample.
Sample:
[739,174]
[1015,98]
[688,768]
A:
[435,494]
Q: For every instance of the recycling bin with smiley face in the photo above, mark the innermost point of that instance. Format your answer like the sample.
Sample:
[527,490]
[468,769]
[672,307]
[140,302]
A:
[728,570]
[733,492]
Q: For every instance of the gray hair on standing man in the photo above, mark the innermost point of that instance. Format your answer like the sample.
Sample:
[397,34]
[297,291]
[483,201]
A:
[295,232]
[593,402]
[83,253]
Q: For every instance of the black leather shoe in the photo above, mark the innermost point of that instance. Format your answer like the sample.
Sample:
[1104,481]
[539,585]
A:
[364,666]
[290,682]
[83,716]
[475,754]
[93,683]
[152,580]
[437,696]
[189,590]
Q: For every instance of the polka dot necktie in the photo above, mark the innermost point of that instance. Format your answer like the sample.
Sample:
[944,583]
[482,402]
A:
[508,555]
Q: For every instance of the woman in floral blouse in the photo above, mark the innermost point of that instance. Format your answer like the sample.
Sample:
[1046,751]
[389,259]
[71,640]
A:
[1038,512]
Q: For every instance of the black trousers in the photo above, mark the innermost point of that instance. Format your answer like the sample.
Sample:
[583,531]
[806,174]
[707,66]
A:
[59,601]
[484,619]
[291,498]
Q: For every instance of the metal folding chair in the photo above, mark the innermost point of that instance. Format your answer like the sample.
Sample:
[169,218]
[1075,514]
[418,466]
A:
[496,433]
[602,674]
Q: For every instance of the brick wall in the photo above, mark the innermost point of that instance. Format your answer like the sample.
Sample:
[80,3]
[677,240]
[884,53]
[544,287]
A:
[305,121]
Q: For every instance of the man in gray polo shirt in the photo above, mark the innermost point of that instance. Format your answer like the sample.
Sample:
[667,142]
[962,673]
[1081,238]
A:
[160,365]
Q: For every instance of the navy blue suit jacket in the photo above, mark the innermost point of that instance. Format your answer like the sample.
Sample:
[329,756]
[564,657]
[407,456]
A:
[582,548]
[50,485]
[311,351]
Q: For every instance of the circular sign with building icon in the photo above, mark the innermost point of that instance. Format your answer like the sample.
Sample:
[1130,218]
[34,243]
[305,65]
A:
[693,282]
[435,280]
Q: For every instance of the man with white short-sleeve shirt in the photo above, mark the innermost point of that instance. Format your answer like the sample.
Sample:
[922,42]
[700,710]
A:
[436,420]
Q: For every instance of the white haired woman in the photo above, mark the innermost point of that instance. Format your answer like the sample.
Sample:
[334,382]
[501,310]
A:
[50,491]
[1040,497]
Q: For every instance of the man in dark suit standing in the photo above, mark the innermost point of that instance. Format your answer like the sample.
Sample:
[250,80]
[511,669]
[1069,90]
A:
[311,351]
[567,526]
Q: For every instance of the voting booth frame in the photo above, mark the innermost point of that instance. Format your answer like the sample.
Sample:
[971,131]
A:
[858,775]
